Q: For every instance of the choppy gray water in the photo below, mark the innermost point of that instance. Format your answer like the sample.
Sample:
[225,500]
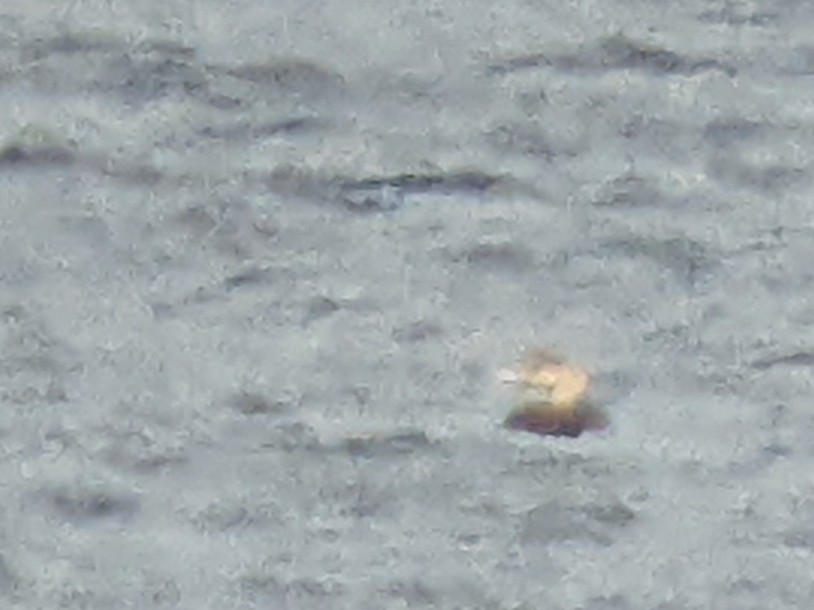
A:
[259,262]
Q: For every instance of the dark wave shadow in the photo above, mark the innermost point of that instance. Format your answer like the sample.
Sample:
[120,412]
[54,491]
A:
[614,53]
